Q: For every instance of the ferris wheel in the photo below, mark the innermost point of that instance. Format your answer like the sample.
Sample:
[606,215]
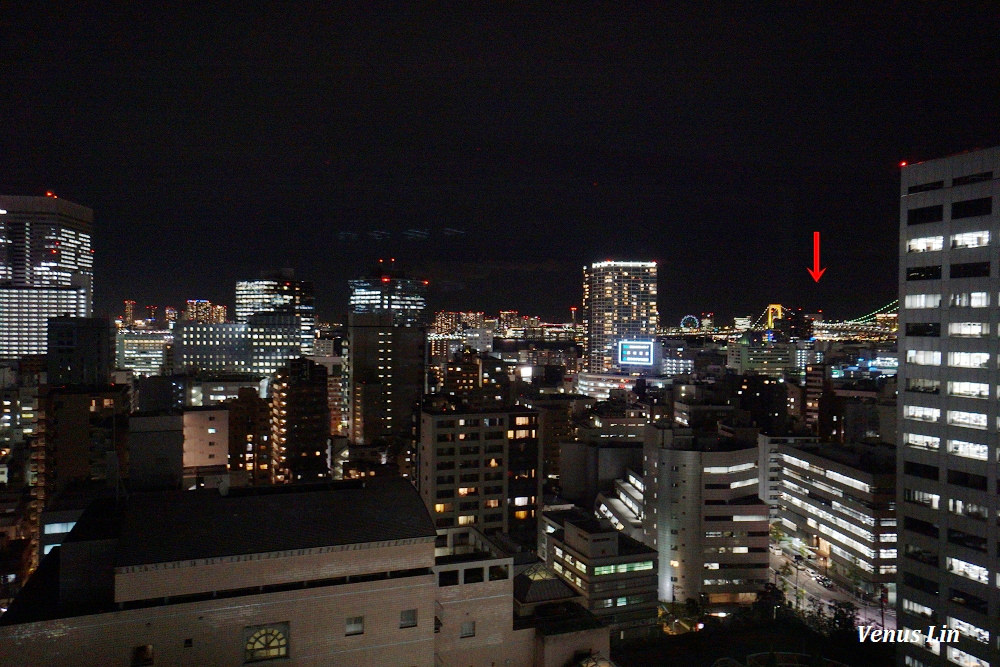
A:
[690,322]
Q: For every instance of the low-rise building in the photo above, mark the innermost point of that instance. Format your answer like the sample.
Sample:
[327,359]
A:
[838,502]
[615,574]
[349,573]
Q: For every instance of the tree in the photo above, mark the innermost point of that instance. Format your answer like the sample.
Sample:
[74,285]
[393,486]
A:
[845,616]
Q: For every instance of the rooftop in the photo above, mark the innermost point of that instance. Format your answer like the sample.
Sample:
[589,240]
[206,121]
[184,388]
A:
[185,525]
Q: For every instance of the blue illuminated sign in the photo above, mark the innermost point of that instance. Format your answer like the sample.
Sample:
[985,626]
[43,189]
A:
[635,353]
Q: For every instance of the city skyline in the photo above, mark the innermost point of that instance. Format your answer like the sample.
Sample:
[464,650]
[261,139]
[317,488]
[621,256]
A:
[494,151]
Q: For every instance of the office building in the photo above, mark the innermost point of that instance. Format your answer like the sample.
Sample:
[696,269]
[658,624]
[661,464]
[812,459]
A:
[703,516]
[80,350]
[390,290]
[261,345]
[615,574]
[46,269]
[619,303]
[142,352]
[279,292]
[838,503]
[949,285]
[385,380]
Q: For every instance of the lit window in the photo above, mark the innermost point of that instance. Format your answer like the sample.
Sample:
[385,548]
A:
[925,244]
[265,643]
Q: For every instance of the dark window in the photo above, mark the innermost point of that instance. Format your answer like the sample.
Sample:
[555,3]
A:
[923,273]
[408,618]
[924,215]
[967,479]
[921,584]
[967,540]
[919,526]
[920,470]
[971,270]
[498,572]
[922,385]
[930,329]
[925,187]
[973,602]
[473,575]
[448,578]
[972,207]
[922,555]
[972,178]
[142,655]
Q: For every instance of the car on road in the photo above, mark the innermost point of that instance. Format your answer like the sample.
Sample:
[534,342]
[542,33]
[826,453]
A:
[824,581]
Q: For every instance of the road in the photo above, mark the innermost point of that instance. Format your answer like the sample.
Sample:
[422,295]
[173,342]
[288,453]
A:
[868,614]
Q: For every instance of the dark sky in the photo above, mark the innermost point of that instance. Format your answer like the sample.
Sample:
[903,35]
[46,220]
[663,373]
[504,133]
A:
[713,138]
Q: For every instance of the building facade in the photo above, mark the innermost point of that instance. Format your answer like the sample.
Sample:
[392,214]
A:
[279,292]
[481,469]
[615,574]
[949,285]
[704,517]
[619,303]
[46,269]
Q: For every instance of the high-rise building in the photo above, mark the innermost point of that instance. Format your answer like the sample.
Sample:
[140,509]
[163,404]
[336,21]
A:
[300,423]
[279,292]
[385,379]
[949,282]
[46,269]
[129,319]
[218,315]
[81,350]
[619,303]
[389,290]
[198,310]
[483,469]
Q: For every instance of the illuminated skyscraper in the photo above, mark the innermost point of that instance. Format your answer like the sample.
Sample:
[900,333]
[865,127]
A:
[46,269]
[279,292]
[129,312]
[949,280]
[389,290]
[198,310]
[619,303]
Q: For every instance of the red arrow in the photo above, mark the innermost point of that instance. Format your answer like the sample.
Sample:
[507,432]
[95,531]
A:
[815,271]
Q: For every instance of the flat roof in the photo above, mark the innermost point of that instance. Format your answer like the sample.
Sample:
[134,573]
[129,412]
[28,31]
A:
[187,525]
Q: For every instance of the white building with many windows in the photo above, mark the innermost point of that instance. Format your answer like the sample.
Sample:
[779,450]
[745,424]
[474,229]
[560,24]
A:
[949,284]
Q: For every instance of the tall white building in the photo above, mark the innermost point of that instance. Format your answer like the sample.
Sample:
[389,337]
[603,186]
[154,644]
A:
[619,303]
[949,284]
[46,269]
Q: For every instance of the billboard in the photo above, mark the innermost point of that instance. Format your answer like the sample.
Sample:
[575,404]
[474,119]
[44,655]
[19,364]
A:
[635,353]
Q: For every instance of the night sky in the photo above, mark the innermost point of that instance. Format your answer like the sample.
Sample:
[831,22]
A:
[518,141]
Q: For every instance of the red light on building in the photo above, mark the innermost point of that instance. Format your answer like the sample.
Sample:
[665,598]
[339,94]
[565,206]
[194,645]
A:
[903,163]
[385,279]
